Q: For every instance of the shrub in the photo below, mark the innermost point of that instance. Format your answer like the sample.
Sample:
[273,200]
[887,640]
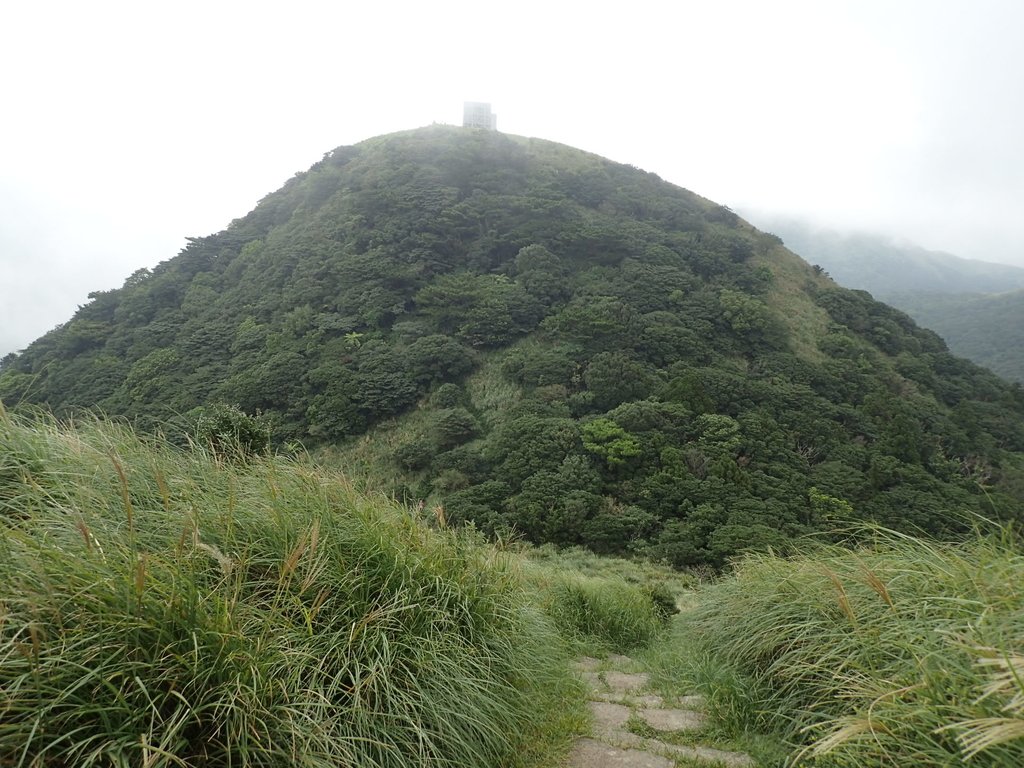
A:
[453,426]
[607,612]
[448,396]
[229,432]
[663,600]
[415,454]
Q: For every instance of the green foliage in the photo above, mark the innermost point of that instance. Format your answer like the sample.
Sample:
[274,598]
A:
[540,366]
[614,378]
[164,608]
[530,443]
[604,612]
[448,396]
[230,433]
[606,603]
[482,310]
[664,601]
[542,274]
[453,426]
[605,438]
[416,454]
[599,321]
[546,342]
[900,652]
[438,358]
[830,508]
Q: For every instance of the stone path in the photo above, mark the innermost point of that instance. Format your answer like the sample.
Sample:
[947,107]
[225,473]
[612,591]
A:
[618,694]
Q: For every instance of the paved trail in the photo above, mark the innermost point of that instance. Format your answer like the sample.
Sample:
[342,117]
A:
[617,693]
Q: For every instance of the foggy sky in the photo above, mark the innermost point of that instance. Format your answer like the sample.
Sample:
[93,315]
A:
[128,127]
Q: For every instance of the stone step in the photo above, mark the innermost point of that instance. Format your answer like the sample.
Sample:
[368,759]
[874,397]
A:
[590,753]
[697,752]
[672,719]
[631,699]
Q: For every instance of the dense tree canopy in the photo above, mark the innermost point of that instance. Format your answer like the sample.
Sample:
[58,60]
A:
[553,344]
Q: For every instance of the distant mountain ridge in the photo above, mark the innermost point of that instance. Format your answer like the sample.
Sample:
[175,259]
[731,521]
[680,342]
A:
[985,328]
[977,307]
[884,266]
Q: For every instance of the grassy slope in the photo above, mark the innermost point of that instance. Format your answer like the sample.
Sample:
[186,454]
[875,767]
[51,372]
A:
[903,652]
[162,607]
[805,320]
[605,604]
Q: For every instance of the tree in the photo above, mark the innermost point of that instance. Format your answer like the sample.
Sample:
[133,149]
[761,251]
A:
[153,374]
[482,310]
[542,274]
[528,443]
[229,432]
[617,529]
[453,426]
[829,510]
[437,358]
[718,435]
[615,378]
[605,438]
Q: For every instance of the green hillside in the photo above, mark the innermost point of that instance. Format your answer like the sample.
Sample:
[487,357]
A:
[551,344]
[976,307]
[986,328]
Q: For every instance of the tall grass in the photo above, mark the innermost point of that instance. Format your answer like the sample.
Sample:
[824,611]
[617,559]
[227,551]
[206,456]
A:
[640,572]
[165,608]
[603,603]
[905,652]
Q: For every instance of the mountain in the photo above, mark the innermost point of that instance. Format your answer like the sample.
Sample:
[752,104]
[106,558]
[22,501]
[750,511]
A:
[550,343]
[976,307]
[885,267]
[985,328]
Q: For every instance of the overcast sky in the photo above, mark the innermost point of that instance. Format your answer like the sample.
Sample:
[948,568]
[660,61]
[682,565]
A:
[128,126]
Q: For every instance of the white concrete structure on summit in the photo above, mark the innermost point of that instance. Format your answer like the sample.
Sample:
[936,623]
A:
[477,114]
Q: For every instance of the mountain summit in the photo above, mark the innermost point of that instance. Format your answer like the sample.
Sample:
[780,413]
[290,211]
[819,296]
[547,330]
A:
[552,343]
